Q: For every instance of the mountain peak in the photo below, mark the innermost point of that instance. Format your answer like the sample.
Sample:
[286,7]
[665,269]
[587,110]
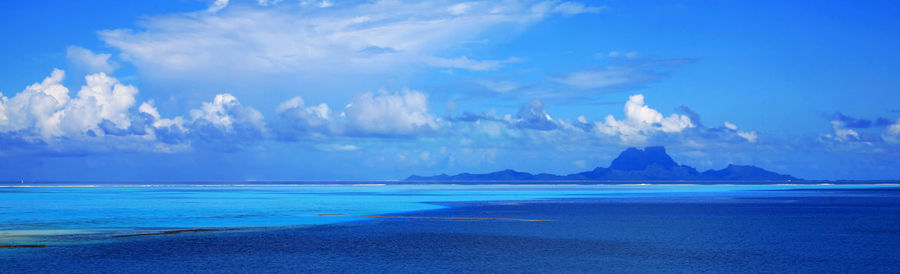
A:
[739,172]
[651,163]
[636,159]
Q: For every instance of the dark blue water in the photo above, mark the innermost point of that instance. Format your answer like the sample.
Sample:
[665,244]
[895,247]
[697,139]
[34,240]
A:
[836,230]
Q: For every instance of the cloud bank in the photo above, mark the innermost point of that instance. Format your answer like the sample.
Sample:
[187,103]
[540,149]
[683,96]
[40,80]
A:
[849,132]
[641,121]
[379,114]
[104,115]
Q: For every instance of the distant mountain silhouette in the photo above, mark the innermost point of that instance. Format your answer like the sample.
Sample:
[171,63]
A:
[636,159]
[651,163]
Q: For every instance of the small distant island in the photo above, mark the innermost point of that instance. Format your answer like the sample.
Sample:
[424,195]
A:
[633,164]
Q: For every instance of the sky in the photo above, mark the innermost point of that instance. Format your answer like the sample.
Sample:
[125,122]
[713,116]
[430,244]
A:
[378,90]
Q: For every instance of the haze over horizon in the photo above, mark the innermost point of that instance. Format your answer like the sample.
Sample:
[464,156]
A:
[374,90]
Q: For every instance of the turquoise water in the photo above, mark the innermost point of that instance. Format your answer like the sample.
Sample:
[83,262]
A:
[451,229]
[63,214]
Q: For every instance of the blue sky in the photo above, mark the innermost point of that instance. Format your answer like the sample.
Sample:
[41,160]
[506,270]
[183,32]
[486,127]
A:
[359,90]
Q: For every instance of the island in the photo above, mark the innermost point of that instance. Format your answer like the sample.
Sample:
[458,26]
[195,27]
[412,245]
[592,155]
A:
[633,164]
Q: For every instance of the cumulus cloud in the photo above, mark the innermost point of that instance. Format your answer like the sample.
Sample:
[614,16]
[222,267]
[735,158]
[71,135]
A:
[389,114]
[166,130]
[36,107]
[340,39]
[533,116]
[313,116]
[102,101]
[301,119]
[106,112]
[850,131]
[641,121]
[840,133]
[90,61]
[892,133]
[378,114]
[727,132]
[104,115]
[690,113]
[859,123]
[226,112]
[641,125]
[46,109]
[221,124]
[226,119]
[530,125]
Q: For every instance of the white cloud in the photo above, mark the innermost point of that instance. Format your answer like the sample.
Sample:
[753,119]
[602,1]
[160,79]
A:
[606,77]
[46,110]
[840,133]
[852,133]
[149,109]
[271,2]
[92,62]
[892,133]
[389,114]
[227,113]
[217,5]
[730,126]
[368,37]
[572,8]
[468,64]
[749,136]
[582,119]
[367,115]
[36,107]
[102,98]
[500,86]
[301,116]
[641,121]
[321,4]
[4,120]
[615,54]
[104,115]
[158,122]
[337,147]
[534,116]
[101,117]
[460,8]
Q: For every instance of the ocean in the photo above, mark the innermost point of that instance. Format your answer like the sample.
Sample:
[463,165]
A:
[345,227]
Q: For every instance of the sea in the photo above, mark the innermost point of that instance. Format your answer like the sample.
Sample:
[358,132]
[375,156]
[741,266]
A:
[353,227]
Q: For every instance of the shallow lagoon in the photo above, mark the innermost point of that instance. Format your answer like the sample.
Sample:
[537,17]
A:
[75,213]
[448,228]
